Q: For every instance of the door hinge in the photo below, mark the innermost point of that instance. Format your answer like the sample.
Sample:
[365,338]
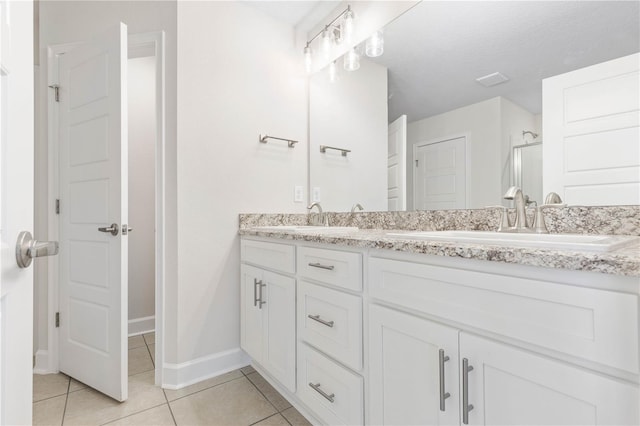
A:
[57,319]
[58,206]
[416,163]
[56,90]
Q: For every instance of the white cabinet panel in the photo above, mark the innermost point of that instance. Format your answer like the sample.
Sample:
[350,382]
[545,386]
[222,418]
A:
[596,325]
[510,386]
[338,268]
[280,257]
[332,322]
[404,378]
[334,393]
[268,323]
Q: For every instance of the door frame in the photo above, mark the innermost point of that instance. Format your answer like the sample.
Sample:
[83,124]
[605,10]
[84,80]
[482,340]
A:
[144,44]
[441,139]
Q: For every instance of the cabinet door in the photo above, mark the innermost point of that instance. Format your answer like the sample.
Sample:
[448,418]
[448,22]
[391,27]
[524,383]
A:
[404,387]
[251,317]
[510,386]
[279,344]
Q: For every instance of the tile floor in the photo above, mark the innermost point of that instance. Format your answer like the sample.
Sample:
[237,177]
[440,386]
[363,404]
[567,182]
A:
[241,397]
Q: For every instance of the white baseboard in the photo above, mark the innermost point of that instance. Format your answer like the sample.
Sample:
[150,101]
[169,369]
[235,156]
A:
[177,376]
[42,363]
[142,325]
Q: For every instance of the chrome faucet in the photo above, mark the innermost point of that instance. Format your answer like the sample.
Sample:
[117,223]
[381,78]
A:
[357,206]
[321,219]
[515,193]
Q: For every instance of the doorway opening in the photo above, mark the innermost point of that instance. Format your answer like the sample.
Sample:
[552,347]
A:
[146,135]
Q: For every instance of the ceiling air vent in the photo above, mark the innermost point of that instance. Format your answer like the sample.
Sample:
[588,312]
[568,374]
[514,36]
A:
[492,79]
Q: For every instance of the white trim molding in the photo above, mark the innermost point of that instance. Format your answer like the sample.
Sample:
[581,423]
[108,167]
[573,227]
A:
[142,325]
[42,364]
[177,376]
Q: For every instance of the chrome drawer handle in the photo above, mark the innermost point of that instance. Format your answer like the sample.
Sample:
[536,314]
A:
[320,320]
[316,388]
[466,407]
[443,395]
[321,266]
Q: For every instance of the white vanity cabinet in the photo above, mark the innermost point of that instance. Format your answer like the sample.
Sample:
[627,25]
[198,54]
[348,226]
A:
[505,383]
[268,307]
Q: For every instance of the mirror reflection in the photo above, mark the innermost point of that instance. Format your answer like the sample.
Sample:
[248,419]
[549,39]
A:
[451,114]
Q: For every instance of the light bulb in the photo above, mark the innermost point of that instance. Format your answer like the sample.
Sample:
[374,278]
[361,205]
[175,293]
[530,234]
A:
[307,58]
[333,71]
[375,45]
[351,60]
[347,26]
[327,42]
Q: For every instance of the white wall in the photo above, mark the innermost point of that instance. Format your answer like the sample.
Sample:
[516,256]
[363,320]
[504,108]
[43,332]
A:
[480,122]
[142,200]
[239,74]
[72,21]
[349,113]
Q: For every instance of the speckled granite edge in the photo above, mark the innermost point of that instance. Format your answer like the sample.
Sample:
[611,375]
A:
[603,220]
[624,261]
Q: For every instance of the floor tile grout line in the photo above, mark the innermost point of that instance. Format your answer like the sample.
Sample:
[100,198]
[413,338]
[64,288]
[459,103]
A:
[169,405]
[202,390]
[268,417]
[66,400]
[151,356]
[50,397]
[132,414]
[265,396]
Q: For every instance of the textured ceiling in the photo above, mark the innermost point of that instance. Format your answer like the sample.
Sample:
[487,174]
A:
[436,50]
[300,14]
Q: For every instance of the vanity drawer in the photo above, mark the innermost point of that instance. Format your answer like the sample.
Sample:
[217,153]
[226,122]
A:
[331,321]
[338,268]
[280,257]
[334,393]
[593,324]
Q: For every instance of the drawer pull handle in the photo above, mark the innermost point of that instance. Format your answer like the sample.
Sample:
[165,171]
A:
[321,266]
[443,395]
[256,283]
[466,407]
[316,388]
[320,320]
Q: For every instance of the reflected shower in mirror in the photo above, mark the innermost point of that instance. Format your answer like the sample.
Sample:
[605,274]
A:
[467,78]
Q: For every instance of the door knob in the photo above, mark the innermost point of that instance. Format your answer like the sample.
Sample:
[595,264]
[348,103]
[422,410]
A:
[28,249]
[113,229]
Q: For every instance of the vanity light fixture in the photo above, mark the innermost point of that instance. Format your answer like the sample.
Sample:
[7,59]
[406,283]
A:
[332,33]
[375,45]
[351,60]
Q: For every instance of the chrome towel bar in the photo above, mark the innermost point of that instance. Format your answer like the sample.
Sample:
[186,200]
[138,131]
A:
[291,143]
[324,148]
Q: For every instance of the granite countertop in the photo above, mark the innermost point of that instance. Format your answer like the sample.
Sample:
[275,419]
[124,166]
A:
[622,261]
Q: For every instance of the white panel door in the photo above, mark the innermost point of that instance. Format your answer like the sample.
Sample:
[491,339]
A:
[591,127]
[397,165]
[16,209]
[405,362]
[93,192]
[510,386]
[440,175]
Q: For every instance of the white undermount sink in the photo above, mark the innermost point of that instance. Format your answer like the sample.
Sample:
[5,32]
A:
[581,242]
[307,228]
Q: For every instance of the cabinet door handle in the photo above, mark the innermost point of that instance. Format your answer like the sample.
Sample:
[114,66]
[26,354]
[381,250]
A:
[321,266]
[466,407]
[320,320]
[316,388]
[443,395]
[256,282]
[260,301]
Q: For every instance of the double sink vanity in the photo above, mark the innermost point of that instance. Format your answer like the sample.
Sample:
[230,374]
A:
[434,318]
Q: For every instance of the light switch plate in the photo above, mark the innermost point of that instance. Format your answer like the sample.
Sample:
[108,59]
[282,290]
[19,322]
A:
[298,194]
[315,194]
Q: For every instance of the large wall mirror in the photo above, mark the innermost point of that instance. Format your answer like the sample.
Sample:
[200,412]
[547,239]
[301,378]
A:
[451,114]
